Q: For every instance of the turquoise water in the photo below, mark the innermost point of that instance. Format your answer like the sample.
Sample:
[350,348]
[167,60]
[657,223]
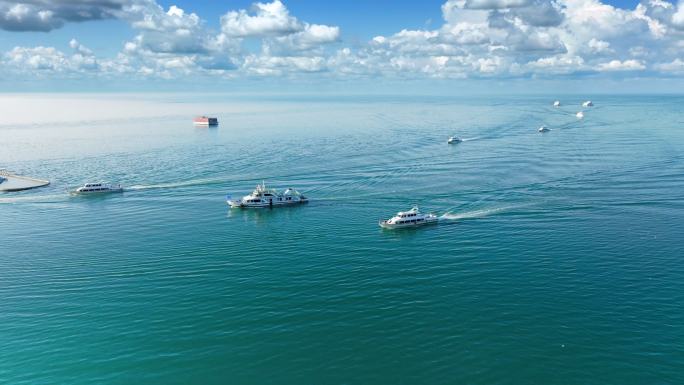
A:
[557,260]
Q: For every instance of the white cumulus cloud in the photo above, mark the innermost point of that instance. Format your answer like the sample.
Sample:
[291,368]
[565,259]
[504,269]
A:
[476,38]
[617,65]
[268,19]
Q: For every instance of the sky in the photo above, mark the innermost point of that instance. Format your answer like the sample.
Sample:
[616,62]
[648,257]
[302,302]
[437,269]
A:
[364,46]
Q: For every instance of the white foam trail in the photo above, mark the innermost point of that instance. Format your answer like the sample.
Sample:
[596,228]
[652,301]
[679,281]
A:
[174,185]
[35,198]
[474,214]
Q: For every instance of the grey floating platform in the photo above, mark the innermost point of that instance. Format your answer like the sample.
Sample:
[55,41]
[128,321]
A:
[11,182]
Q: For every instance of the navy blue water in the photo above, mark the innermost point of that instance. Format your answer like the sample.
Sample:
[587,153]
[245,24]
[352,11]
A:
[557,260]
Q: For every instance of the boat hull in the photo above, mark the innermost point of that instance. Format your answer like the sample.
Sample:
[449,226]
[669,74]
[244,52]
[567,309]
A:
[241,205]
[392,226]
[112,191]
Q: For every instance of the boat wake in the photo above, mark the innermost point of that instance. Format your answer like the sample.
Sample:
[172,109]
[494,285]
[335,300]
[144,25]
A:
[35,199]
[196,182]
[448,216]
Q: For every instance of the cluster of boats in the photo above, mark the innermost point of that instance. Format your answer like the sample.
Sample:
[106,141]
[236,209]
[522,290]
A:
[542,129]
[266,197]
[263,197]
[587,103]
[578,115]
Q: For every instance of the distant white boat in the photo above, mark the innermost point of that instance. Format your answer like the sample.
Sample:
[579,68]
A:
[556,103]
[544,129]
[454,140]
[588,103]
[580,115]
[98,188]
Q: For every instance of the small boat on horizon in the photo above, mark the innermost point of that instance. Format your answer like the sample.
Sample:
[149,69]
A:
[588,103]
[556,103]
[454,140]
[544,129]
[411,218]
[205,121]
[98,188]
[267,197]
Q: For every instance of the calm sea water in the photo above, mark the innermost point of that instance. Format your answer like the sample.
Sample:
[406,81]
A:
[558,259]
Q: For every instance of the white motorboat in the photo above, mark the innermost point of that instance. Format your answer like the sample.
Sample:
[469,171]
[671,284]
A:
[544,129]
[454,140]
[411,218]
[98,188]
[556,103]
[580,115]
[588,103]
[267,197]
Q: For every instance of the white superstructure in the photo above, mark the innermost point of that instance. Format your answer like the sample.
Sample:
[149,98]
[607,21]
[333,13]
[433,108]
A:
[267,197]
[99,188]
[411,218]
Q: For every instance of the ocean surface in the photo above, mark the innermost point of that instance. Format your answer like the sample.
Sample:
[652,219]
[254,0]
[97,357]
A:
[558,258]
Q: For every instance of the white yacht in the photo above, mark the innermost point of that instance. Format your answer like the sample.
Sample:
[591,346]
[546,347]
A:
[580,115]
[588,103]
[99,188]
[267,197]
[411,218]
[454,140]
[556,103]
[544,129]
